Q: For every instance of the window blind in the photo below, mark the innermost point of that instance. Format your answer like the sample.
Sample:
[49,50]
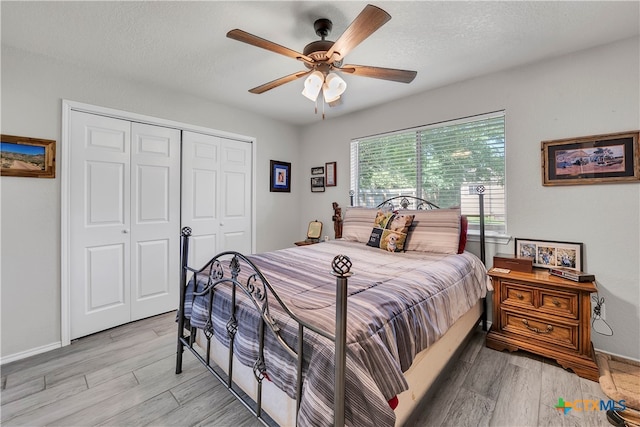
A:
[438,163]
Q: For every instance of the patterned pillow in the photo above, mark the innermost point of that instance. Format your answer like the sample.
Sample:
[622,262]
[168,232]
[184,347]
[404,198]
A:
[390,231]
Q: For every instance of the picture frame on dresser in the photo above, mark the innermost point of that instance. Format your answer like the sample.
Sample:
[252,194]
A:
[550,254]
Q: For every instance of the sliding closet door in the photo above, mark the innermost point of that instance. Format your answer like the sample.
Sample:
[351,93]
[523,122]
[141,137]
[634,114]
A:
[155,220]
[216,195]
[124,221]
[100,246]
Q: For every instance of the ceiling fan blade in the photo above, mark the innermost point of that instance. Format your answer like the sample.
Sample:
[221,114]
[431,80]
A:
[402,76]
[245,37]
[370,19]
[278,82]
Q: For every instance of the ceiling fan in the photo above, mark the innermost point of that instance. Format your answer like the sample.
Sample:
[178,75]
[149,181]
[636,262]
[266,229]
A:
[321,57]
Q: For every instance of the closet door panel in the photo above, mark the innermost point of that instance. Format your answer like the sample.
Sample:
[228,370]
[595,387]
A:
[99,220]
[236,168]
[155,230]
[201,195]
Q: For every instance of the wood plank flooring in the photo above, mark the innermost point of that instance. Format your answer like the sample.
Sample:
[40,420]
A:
[125,377]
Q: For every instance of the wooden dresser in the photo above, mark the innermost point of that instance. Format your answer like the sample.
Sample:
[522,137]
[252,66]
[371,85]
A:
[546,315]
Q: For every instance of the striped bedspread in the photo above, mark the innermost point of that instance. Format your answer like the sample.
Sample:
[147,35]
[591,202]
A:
[398,304]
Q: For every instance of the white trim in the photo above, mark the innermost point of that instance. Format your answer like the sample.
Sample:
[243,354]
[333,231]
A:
[501,239]
[28,353]
[616,355]
[63,161]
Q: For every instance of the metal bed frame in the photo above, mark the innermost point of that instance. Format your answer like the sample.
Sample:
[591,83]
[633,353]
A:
[258,289]
[260,292]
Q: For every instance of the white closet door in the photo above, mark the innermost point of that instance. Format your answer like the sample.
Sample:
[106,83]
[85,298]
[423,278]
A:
[216,195]
[235,192]
[124,222]
[155,220]
[200,194]
[99,223]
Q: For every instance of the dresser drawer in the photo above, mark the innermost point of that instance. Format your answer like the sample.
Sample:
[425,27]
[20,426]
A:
[559,303]
[552,332]
[517,295]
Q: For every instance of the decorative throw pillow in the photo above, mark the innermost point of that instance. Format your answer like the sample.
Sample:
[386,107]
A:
[390,231]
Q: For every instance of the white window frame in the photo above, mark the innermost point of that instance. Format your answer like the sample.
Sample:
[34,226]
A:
[468,202]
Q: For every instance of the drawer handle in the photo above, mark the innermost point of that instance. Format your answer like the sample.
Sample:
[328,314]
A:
[555,302]
[519,296]
[536,330]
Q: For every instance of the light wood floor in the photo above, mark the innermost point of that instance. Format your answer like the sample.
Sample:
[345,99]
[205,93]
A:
[125,377]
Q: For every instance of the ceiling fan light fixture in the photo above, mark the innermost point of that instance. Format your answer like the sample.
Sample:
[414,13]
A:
[333,87]
[312,85]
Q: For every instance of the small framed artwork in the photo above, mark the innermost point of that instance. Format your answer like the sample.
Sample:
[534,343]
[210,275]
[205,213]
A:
[318,170]
[317,184]
[330,174]
[550,254]
[591,159]
[280,176]
[28,157]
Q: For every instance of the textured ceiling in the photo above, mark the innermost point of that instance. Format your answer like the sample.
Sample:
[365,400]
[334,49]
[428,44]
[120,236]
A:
[182,45]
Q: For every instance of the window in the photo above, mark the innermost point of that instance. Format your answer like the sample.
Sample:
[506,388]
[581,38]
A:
[437,163]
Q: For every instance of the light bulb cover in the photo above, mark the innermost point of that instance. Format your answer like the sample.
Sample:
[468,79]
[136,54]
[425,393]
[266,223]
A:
[312,85]
[333,87]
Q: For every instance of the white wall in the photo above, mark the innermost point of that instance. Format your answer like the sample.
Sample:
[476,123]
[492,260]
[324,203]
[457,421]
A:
[32,91]
[592,92]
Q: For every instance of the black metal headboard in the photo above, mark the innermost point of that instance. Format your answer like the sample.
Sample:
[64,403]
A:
[407,202]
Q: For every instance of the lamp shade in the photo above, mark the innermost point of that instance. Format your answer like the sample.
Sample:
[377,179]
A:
[333,87]
[312,85]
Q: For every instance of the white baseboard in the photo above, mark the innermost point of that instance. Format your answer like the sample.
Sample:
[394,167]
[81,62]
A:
[29,353]
[616,355]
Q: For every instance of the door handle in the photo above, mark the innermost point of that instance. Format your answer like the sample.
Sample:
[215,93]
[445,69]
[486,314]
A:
[125,231]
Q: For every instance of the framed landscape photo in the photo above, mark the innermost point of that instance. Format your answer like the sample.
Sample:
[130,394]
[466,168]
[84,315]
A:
[317,184]
[330,169]
[280,176]
[591,159]
[550,254]
[318,170]
[28,157]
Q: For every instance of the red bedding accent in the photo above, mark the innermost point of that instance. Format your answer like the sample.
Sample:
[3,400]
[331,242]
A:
[464,225]
[393,402]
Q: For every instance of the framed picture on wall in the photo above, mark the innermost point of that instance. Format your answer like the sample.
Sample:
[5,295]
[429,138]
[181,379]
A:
[28,157]
[317,184]
[591,159]
[318,170]
[280,176]
[330,169]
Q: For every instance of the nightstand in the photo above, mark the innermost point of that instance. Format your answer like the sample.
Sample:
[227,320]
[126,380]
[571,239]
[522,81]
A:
[546,315]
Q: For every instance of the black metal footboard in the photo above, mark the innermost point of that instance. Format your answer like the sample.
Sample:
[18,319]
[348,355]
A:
[235,274]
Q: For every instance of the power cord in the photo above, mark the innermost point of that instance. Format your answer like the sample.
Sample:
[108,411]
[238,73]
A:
[597,316]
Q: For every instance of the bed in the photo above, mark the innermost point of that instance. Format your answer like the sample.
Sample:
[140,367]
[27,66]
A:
[275,328]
